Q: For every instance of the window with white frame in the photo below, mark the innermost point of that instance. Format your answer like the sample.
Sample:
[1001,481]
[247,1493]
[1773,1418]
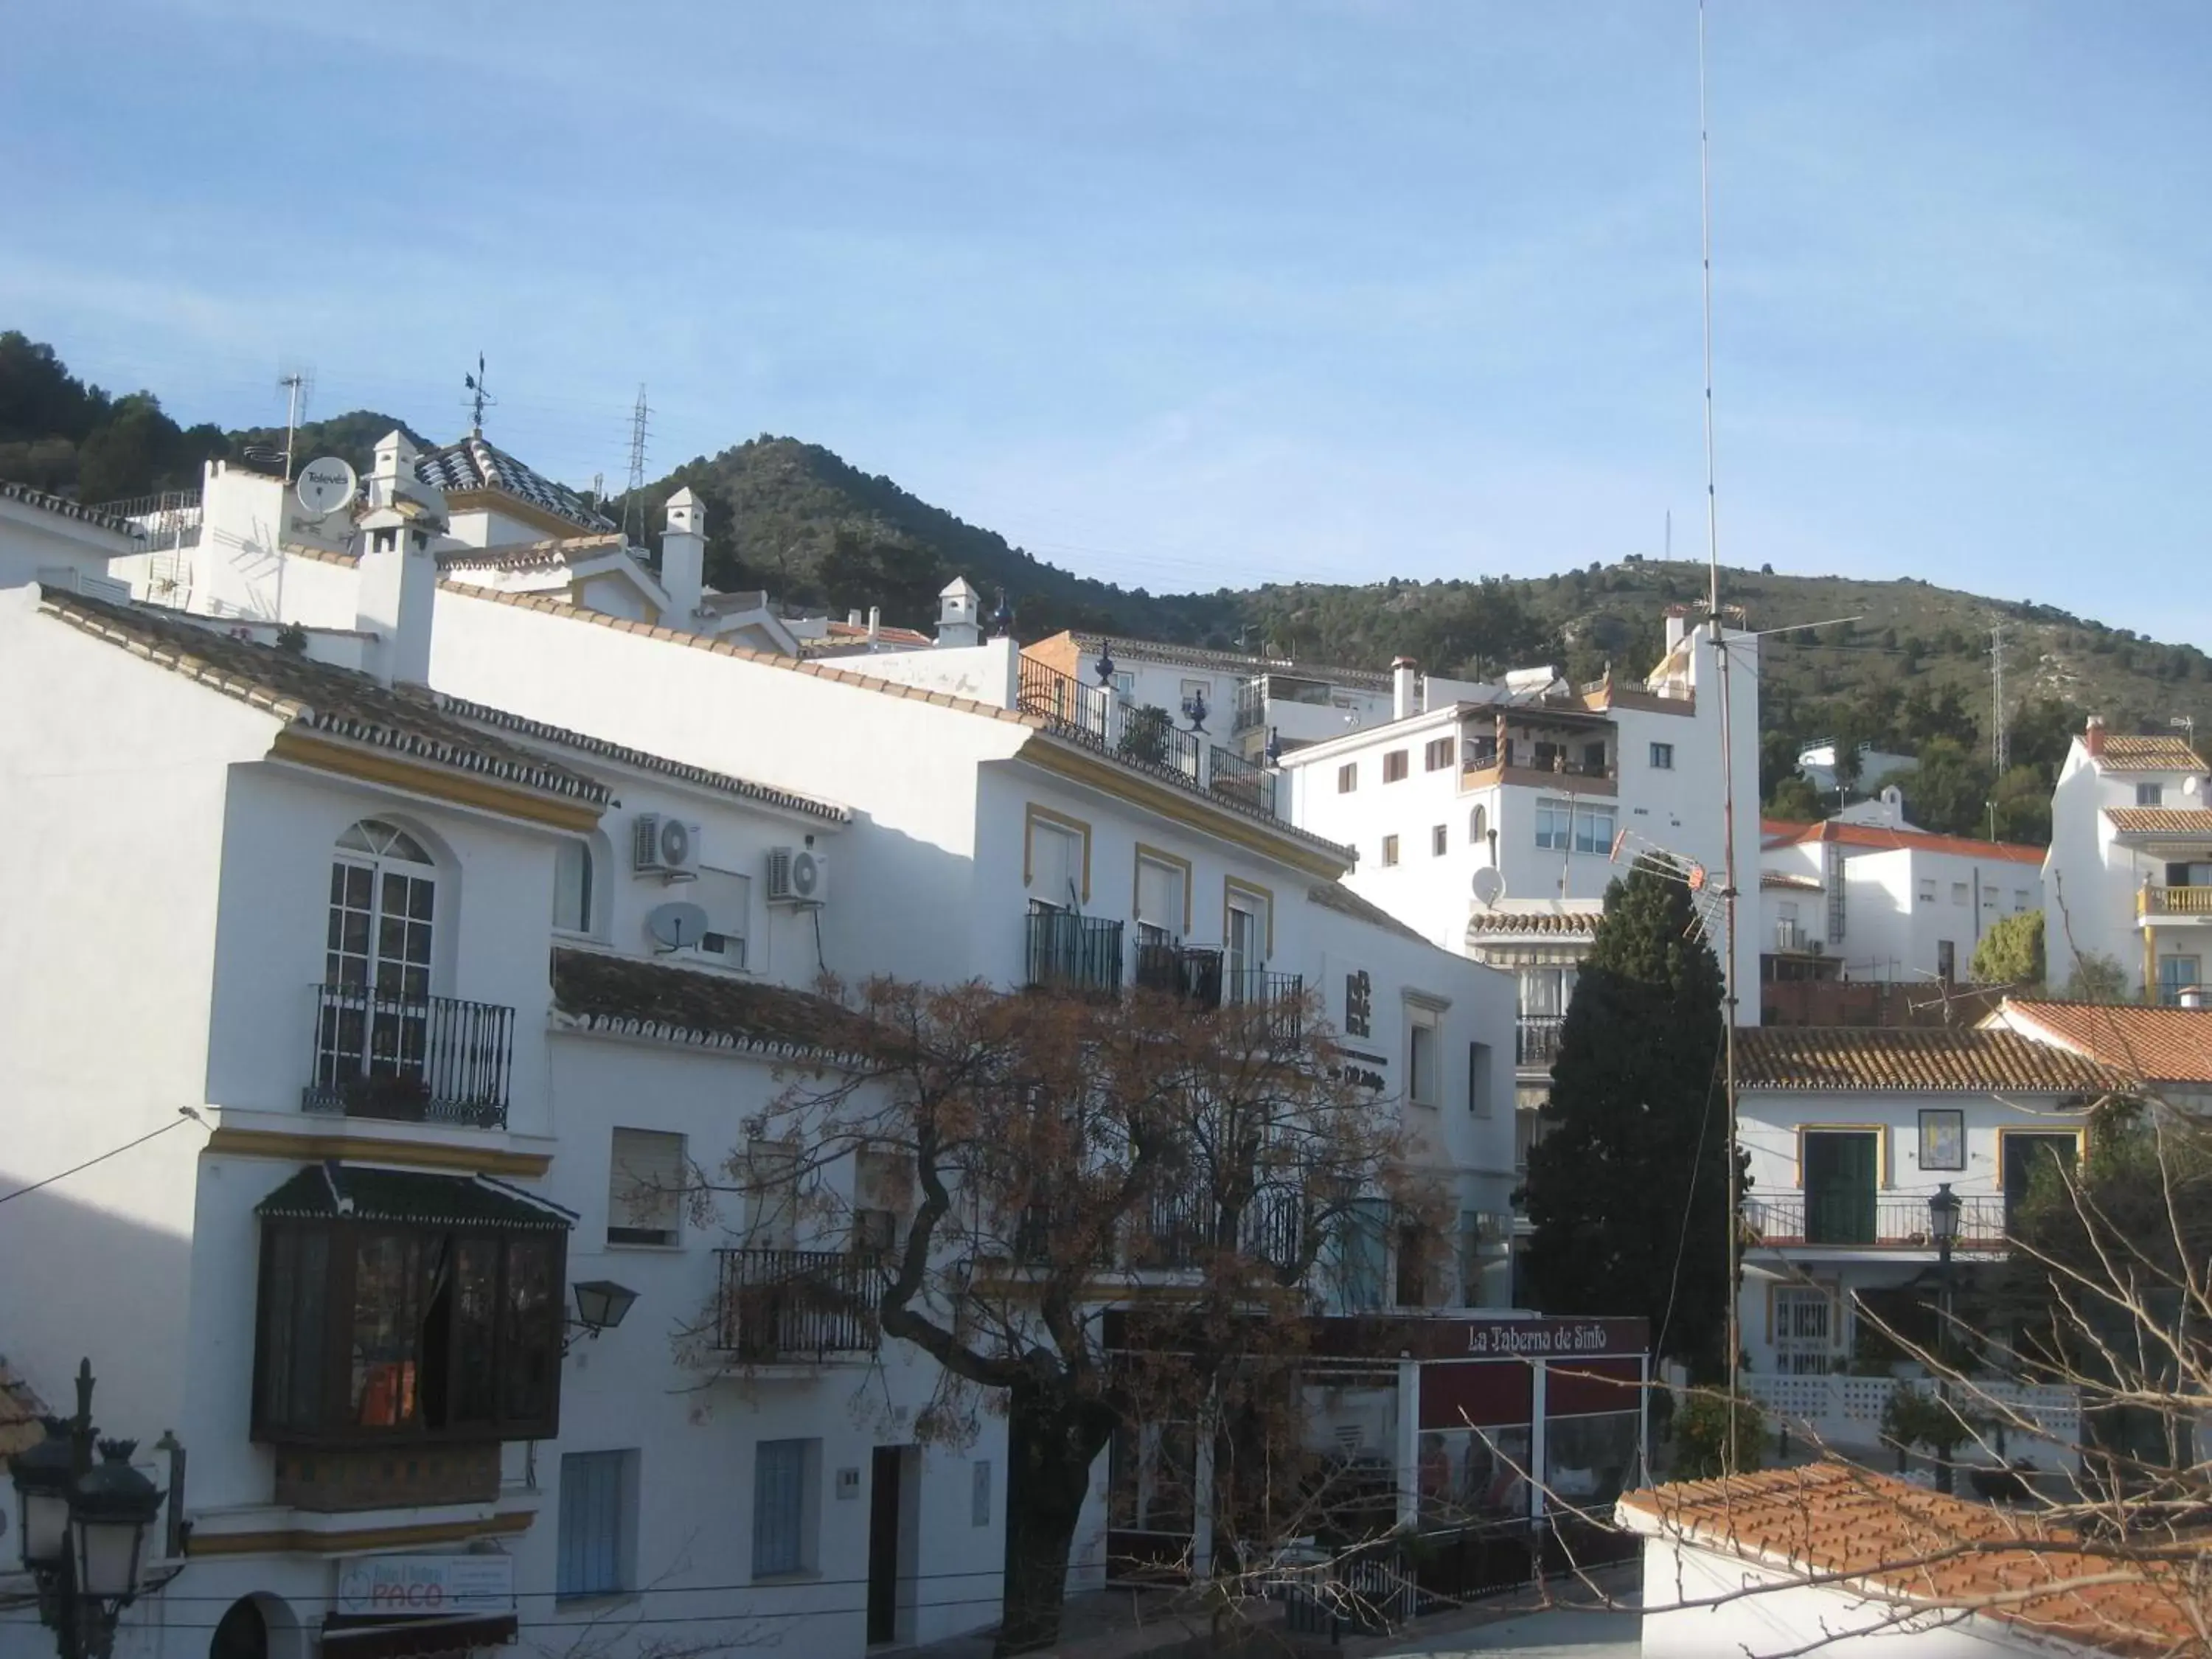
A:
[1162,888]
[1957,892]
[771,1194]
[1928,889]
[1662,756]
[1804,1330]
[1389,851]
[787,1507]
[1395,765]
[1594,828]
[1437,755]
[1055,864]
[572,887]
[2150,794]
[1439,841]
[1555,824]
[645,1188]
[1245,935]
[727,899]
[1423,1082]
[1347,777]
[2019,900]
[1125,684]
[883,1198]
[595,1551]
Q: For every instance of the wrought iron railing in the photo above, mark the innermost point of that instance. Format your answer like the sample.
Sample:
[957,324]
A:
[1190,972]
[1177,1227]
[1873,1220]
[1246,783]
[1279,997]
[170,518]
[1536,1038]
[426,1060]
[1071,952]
[797,1304]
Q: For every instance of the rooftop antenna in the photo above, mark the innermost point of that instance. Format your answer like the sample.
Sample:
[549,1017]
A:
[1721,652]
[299,383]
[633,496]
[479,398]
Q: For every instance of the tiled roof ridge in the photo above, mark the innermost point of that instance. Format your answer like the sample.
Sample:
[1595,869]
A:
[1833,1523]
[828,670]
[321,555]
[547,550]
[2179,753]
[1776,832]
[47,501]
[523,726]
[2152,820]
[688,1033]
[1914,1059]
[166,643]
[2151,1043]
[1377,679]
[489,467]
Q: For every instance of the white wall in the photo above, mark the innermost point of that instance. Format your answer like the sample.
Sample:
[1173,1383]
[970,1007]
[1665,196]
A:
[34,539]
[981,673]
[1759,1611]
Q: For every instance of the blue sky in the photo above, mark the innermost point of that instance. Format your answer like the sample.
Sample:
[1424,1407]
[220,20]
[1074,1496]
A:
[1183,294]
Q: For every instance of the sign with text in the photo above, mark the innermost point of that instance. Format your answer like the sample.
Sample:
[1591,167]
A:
[397,1586]
[1540,1337]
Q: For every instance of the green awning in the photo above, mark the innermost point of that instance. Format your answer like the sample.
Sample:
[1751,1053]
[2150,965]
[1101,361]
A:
[349,1192]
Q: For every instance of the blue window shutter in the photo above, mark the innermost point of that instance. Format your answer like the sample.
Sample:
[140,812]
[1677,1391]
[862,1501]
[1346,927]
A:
[590,1546]
[778,1503]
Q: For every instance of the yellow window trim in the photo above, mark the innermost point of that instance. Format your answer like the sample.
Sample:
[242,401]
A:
[1154,855]
[1037,815]
[1231,887]
[1885,1170]
[2078,1134]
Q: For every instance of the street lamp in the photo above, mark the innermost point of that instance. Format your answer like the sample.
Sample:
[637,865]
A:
[1943,1226]
[84,1527]
[600,1306]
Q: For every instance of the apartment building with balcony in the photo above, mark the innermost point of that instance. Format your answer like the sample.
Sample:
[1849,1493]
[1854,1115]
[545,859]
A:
[1852,901]
[1850,1131]
[451,1028]
[2130,849]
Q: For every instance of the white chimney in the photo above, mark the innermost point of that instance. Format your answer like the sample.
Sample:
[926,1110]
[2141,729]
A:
[875,623]
[684,557]
[396,578]
[1404,688]
[2190,996]
[959,614]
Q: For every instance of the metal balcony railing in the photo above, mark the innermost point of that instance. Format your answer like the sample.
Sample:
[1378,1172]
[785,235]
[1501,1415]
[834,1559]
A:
[1536,1038]
[1138,735]
[796,1304]
[1246,783]
[429,1059]
[1279,997]
[170,518]
[1187,971]
[1070,952]
[1176,1229]
[1868,1220]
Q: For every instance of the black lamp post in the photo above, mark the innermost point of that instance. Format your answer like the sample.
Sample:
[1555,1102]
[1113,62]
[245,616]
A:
[600,1306]
[1943,1226]
[83,1527]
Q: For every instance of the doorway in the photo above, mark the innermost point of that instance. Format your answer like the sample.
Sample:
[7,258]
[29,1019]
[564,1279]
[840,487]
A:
[894,1504]
[1841,1172]
[2025,1154]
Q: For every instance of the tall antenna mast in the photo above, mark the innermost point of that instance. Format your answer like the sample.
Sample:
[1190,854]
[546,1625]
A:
[1721,652]
[633,497]
[1999,739]
[297,383]
[480,398]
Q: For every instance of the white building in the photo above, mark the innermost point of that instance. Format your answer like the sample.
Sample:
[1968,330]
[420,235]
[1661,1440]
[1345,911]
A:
[1857,901]
[45,539]
[2130,841]
[1850,1133]
[1817,763]
[1854,1562]
[403,946]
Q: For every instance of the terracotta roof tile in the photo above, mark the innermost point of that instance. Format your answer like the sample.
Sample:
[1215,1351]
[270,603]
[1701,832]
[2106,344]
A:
[1916,1546]
[1924,1060]
[2151,1045]
[322,697]
[20,1411]
[1540,924]
[479,714]
[472,464]
[2160,820]
[2150,754]
[99,518]
[630,998]
[1776,832]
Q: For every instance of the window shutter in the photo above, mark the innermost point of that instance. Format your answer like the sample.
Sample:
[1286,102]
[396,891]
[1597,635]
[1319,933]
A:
[1159,895]
[645,1180]
[1055,865]
[779,1504]
[591,1524]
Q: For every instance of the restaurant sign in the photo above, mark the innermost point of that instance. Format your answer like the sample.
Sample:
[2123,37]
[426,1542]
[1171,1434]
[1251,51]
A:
[402,1586]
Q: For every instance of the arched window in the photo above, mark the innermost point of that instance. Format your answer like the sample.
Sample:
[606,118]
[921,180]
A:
[1478,825]
[375,1011]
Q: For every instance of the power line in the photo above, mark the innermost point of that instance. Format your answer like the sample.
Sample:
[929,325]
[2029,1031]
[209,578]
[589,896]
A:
[182,1113]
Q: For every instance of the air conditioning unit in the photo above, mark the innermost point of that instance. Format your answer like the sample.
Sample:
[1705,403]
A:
[798,875]
[663,847]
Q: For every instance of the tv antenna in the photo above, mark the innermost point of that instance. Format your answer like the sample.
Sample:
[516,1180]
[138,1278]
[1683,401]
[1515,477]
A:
[1733,1324]
[633,496]
[299,385]
[479,398]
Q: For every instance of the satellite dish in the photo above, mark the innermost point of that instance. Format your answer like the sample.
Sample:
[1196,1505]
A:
[2189,784]
[675,926]
[326,485]
[1489,885]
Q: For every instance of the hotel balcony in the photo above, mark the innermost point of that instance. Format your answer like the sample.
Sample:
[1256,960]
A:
[1144,737]
[428,1060]
[1540,748]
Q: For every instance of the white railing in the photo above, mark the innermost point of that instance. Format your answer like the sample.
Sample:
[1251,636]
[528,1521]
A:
[1848,1410]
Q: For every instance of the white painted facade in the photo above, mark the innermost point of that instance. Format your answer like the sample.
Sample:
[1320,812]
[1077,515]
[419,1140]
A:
[1888,904]
[953,799]
[2122,885]
[45,539]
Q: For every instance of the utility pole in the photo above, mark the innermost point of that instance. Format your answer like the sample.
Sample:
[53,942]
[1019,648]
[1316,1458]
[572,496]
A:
[1999,740]
[632,497]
